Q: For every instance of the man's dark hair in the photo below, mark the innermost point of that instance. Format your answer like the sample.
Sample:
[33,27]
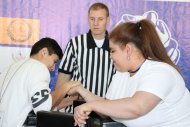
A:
[49,43]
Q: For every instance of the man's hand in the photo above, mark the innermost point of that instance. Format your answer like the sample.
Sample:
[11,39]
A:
[61,91]
[66,102]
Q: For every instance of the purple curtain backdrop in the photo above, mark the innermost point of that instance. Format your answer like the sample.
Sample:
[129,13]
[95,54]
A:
[62,20]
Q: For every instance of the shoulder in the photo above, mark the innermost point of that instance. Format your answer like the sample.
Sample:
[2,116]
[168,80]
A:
[84,35]
[159,78]
[77,39]
[155,71]
[160,73]
[37,68]
[155,66]
[37,64]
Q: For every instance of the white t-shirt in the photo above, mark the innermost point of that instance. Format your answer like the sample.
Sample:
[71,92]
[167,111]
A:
[161,80]
[23,88]
[99,43]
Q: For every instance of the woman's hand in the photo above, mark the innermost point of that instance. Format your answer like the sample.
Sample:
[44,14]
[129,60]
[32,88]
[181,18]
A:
[81,114]
[72,84]
[75,90]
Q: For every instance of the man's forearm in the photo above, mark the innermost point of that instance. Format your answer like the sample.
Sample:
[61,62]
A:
[66,102]
[62,79]
[60,89]
[58,94]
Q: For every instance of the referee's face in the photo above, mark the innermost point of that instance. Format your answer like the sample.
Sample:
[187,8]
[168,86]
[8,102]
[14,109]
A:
[98,20]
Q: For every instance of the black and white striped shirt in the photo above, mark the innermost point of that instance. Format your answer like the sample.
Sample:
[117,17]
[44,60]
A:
[88,63]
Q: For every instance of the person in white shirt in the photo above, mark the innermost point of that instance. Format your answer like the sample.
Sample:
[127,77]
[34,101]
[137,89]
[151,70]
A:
[24,86]
[148,89]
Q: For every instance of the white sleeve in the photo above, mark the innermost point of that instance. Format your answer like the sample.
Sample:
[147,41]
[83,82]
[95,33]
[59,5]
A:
[39,91]
[158,81]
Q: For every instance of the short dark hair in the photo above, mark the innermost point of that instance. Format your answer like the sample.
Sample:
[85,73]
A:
[97,6]
[49,43]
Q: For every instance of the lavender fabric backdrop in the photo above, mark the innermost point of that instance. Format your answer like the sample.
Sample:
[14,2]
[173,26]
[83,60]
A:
[62,20]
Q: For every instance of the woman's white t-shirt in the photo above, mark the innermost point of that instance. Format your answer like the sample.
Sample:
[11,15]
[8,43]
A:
[161,80]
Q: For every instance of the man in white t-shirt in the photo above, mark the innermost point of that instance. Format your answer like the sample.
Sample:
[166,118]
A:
[24,86]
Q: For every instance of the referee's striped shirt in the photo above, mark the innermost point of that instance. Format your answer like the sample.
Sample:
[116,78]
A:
[88,63]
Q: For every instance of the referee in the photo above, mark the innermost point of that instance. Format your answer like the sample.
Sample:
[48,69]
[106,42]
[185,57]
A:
[86,57]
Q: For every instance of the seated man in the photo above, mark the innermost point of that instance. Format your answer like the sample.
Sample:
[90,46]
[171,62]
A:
[25,85]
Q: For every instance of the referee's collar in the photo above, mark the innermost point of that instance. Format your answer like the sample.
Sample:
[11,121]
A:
[91,43]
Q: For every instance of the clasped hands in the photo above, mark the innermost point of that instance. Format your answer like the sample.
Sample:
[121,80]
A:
[80,112]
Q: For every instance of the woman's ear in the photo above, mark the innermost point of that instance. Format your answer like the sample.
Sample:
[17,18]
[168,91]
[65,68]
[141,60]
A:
[128,48]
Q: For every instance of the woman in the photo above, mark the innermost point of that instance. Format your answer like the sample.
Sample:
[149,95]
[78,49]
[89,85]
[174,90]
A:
[148,90]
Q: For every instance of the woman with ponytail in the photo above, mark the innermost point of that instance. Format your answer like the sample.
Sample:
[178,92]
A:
[148,89]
